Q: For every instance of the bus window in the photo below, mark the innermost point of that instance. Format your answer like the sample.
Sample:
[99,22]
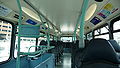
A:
[106,36]
[102,33]
[89,36]
[116,25]
[66,39]
[5,40]
[25,44]
[116,35]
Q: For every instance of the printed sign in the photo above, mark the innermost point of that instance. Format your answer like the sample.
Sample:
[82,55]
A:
[95,20]
[29,30]
[31,22]
[4,11]
[108,7]
[107,10]
[104,13]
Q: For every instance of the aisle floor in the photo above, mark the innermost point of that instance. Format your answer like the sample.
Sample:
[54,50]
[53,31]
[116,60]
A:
[66,62]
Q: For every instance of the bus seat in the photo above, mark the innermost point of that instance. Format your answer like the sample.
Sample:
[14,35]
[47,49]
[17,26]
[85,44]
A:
[43,42]
[77,53]
[115,45]
[12,63]
[99,53]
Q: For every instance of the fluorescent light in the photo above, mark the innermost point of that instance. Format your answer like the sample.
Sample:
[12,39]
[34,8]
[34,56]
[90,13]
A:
[77,30]
[91,10]
[31,13]
[56,30]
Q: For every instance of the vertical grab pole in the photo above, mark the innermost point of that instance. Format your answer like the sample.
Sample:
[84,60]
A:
[48,35]
[81,22]
[19,28]
[75,30]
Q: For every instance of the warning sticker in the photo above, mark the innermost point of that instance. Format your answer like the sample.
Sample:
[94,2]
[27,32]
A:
[4,11]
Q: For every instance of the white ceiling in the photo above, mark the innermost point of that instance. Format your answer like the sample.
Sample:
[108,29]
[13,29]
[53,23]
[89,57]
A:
[62,13]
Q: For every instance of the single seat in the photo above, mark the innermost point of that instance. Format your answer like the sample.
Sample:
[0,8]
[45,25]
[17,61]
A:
[77,54]
[99,54]
[43,42]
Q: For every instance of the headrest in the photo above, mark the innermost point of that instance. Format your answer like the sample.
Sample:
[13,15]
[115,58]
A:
[43,42]
[115,45]
[85,42]
[100,49]
[52,43]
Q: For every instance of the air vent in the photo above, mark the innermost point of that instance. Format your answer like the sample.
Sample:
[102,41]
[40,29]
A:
[17,16]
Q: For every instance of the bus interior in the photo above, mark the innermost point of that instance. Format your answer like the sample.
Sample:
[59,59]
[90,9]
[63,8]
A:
[59,33]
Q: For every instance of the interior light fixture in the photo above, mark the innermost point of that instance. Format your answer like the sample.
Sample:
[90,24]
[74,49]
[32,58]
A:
[91,10]
[77,30]
[56,30]
[31,13]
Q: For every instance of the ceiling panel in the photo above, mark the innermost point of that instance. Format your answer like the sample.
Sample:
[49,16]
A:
[62,13]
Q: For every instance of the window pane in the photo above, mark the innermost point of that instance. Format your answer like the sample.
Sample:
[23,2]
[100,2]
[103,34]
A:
[116,25]
[25,44]
[117,37]
[96,32]
[66,39]
[5,40]
[89,36]
[104,30]
[101,30]
[106,36]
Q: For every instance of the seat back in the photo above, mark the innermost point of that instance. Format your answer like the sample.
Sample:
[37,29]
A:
[115,45]
[100,49]
[43,42]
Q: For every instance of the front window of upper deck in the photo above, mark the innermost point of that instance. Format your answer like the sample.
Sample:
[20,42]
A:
[66,39]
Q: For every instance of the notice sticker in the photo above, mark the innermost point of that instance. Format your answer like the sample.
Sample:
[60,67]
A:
[108,6]
[95,20]
[107,10]
[31,22]
[4,11]
[104,13]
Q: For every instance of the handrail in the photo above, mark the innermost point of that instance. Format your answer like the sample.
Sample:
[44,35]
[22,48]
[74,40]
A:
[19,30]
[19,27]
[81,22]
[38,46]
[45,48]
[74,36]
[30,4]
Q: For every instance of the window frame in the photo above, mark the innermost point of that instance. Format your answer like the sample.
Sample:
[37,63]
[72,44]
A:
[115,30]
[12,41]
[101,32]
[112,26]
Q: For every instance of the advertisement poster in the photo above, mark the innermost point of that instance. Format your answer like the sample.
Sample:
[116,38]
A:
[107,10]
